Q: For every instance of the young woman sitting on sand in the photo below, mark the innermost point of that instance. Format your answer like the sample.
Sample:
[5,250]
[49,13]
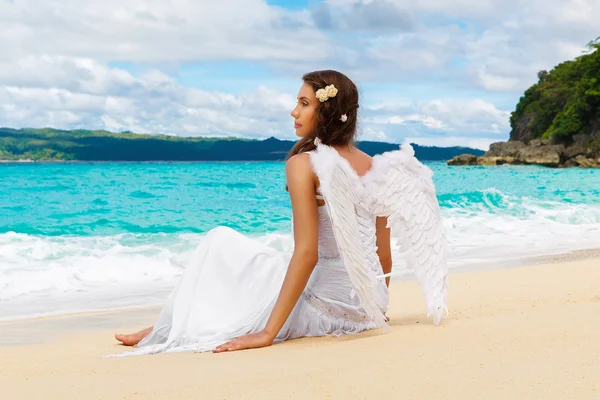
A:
[239,294]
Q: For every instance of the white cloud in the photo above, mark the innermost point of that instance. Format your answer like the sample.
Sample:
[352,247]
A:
[371,134]
[55,60]
[492,82]
[427,121]
[504,43]
[528,36]
[370,17]
[468,116]
[96,96]
[157,31]
[499,46]
[454,118]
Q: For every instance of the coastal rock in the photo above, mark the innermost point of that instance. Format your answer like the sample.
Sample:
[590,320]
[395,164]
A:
[504,149]
[584,162]
[522,131]
[539,142]
[549,156]
[463,159]
[574,151]
[570,163]
[581,153]
[488,161]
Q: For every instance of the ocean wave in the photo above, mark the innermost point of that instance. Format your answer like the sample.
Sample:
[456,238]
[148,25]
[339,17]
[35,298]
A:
[507,227]
[42,265]
[493,202]
[53,265]
[481,225]
[489,199]
[39,273]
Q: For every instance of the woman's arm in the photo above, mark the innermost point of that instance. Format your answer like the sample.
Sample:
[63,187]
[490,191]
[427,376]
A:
[301,185]
[384,246]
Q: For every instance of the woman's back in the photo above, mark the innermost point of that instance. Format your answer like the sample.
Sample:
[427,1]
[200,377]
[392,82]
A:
[358,160]
[328,304]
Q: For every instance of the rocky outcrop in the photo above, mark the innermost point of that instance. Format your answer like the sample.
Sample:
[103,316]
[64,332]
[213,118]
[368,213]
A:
[488,161]
[548,156]
[536,152]
[521,132]
[504,149]
[463,159]
[575,150]
[583,162]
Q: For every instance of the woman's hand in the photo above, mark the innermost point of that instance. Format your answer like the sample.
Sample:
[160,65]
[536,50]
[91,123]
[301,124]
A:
[251,341]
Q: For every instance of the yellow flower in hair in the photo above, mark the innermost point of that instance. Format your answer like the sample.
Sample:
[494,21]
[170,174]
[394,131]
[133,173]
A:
[327,93]
[322,95]
[331,91]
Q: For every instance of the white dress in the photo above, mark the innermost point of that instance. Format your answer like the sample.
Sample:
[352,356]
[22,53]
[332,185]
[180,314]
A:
[231,287]
[232,283]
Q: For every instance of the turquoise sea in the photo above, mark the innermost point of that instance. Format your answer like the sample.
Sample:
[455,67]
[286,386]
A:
[85,236]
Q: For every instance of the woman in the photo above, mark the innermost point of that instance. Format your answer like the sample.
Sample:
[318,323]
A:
[239,294]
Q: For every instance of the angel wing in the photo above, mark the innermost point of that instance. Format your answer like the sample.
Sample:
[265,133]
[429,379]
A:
[344,195]
[401,188]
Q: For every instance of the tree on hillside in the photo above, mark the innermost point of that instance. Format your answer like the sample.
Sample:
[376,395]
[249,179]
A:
[564,102]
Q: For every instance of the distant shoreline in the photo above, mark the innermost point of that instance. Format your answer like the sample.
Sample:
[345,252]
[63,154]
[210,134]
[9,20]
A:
[53,145]
[153,161]
[143,162]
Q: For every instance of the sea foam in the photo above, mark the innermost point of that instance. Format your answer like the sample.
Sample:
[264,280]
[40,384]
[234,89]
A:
[43,274]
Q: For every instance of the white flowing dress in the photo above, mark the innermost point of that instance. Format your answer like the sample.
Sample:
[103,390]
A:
[231,287]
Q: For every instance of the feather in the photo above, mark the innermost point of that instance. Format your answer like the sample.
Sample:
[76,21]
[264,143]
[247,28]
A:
[343,194]
[402,189]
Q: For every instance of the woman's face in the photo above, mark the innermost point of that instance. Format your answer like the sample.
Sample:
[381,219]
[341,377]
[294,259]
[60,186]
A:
[305,112]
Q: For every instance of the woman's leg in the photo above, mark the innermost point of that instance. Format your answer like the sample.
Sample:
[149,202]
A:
[133,338]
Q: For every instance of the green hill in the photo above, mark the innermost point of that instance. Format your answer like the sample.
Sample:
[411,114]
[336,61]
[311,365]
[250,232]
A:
[83,145]
[563,103]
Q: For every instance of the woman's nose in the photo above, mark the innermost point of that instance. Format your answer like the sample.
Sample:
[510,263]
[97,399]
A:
[294,113]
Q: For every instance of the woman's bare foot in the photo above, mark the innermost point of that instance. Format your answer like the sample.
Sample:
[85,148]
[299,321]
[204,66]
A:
[133,338]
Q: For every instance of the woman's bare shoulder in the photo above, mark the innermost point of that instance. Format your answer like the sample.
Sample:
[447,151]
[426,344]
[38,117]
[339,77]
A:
[301,160]
[361,161]
[364,155]
[299,165]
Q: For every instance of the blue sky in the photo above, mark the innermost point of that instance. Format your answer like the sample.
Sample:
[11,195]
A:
[293,4]
[432,72]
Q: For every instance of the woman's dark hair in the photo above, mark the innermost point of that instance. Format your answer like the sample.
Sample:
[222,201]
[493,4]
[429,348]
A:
[330,129]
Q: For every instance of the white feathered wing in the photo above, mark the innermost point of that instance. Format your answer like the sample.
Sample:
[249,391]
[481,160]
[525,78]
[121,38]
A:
[402,189]
[344,194]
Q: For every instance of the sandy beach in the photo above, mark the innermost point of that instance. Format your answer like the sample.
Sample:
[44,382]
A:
[518,333]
